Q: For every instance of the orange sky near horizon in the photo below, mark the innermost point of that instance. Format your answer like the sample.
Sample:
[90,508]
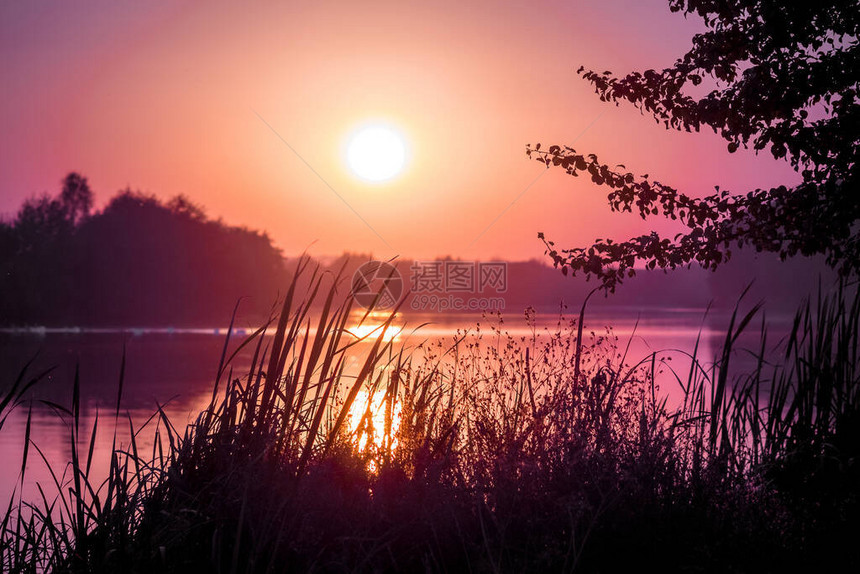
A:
[164,97]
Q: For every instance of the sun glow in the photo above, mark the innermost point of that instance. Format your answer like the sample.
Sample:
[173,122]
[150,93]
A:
[376,153]
[372,332]
[367,420]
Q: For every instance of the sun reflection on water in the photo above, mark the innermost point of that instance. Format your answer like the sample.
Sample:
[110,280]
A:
[371,325]
[367,419]
[372,332]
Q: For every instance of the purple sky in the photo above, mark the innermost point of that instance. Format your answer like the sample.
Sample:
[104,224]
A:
[164,97]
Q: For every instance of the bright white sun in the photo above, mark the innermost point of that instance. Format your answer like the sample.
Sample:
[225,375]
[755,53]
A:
[376,153]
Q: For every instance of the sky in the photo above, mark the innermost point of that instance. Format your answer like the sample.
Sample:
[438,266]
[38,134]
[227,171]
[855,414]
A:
[246,108]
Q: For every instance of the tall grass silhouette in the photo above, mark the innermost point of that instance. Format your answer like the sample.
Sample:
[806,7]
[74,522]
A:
[497,454]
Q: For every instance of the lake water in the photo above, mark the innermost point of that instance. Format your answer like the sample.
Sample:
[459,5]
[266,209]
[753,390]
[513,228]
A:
[175,368]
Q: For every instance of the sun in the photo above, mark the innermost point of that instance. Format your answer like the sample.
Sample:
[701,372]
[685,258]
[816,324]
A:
[376,153]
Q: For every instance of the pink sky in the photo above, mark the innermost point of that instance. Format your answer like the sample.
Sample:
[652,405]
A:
[162,97]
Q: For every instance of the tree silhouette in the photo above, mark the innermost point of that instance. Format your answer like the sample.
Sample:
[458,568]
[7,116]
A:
[76,198]
[785,78]
[139,261]
[45,220]
[41,220]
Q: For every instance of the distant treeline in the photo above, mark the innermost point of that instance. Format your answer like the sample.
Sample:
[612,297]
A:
[138,261]
[142,261]
[782,285]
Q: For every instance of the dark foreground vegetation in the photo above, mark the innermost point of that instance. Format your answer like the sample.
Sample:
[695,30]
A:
[522,455]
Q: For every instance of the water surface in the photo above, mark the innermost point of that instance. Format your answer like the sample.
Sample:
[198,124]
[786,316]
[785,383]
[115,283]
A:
[175,368]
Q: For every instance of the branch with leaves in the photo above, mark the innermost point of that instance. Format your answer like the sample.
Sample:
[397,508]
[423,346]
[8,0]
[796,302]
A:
[785,77]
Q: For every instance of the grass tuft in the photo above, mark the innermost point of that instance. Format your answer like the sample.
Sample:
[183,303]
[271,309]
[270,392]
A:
[494,454]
